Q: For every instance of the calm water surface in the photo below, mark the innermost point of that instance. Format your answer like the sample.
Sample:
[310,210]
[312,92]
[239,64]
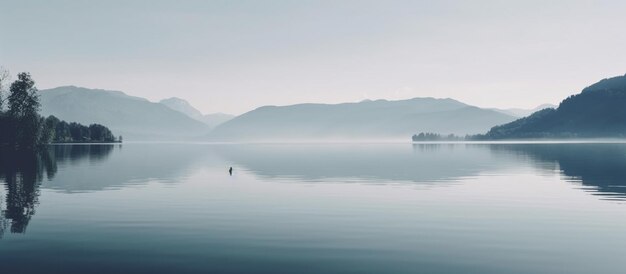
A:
[331,208]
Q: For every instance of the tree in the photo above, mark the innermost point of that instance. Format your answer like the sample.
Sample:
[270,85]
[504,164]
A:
[78,132]
[100,133]
[62,132]
[23,107]
[48,129]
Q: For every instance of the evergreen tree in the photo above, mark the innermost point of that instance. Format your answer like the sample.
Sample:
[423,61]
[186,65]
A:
[23,107]
[100,133]
[79,133]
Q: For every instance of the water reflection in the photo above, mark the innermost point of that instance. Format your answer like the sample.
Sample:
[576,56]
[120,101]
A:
[23,172]
[78,153]
[86,169]
[418,163]
[599,167]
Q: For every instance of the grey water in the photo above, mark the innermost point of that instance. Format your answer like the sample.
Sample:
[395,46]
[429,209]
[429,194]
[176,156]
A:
[314,208]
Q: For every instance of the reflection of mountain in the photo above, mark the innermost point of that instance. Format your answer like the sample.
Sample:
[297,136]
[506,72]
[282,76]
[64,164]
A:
[600,166]
[396,162]
[130,164]
[79,168]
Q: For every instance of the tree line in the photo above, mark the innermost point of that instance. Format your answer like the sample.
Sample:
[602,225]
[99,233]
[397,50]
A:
[22,127]
[428,136]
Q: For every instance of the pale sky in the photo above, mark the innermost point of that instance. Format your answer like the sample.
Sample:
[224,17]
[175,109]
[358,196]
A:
[234,56]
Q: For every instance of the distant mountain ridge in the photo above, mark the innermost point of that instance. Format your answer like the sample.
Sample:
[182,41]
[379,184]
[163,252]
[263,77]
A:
[181,105]
[520,112]
[361,120]
[133,117]
[598,111]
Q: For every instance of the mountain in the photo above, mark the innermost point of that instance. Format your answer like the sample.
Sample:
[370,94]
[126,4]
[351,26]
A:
[363,120]
[182,106]
[212,120]
[133,117]
[215,119]
[521,112]
[598,111]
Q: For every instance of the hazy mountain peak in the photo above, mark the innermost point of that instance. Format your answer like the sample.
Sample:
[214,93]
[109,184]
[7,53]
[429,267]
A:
[521,112]
[174,99]
[181,105]
[544,106]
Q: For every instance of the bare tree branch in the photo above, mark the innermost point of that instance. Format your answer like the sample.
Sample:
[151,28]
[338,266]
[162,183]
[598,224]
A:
[5,77]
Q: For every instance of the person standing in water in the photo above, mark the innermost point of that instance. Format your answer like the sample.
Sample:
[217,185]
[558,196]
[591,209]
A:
[230,171]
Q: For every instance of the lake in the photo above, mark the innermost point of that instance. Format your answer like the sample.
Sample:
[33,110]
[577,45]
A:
[315,208]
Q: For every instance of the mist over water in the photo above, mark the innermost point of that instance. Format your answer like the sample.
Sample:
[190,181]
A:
[315,208]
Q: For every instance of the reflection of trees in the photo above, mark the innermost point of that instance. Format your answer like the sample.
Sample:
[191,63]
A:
[22,173]
[79,152]
[601,166]
[433,147]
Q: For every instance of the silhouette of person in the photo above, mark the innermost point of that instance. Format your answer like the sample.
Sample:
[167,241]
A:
[230,171]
